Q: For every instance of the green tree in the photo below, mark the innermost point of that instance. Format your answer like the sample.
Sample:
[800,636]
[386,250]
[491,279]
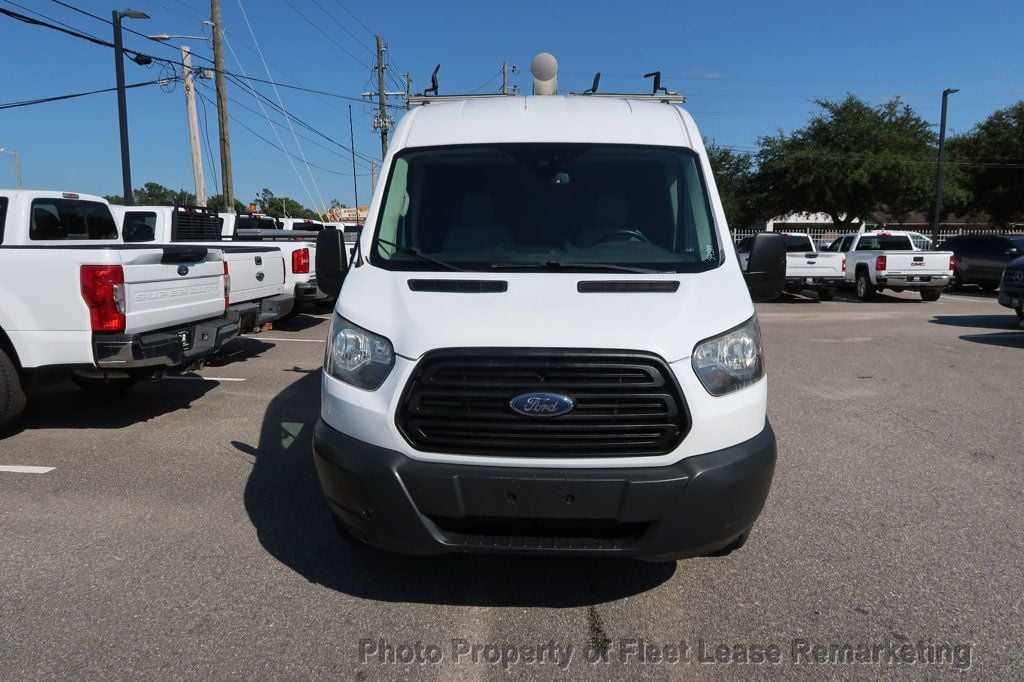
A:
[850,160]
[280,207]
[216,203]
[733,173]
[155,194]
[992,158]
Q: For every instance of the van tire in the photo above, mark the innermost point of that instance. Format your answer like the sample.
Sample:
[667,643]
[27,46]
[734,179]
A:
[930,294]
[826,294]
[12,394]
[865,289]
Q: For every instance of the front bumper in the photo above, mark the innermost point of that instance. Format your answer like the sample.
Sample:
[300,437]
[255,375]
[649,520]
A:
[691,508]
[166,348]
[1011,298]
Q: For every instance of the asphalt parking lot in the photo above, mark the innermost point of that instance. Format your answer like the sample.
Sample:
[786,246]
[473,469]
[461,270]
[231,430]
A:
[181,531]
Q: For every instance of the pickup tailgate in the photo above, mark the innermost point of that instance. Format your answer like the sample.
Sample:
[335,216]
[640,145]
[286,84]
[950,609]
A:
[169,286]
[256,272]
[917,262]
[814,264]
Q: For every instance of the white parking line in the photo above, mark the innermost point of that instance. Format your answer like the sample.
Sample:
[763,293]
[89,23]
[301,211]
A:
[972,299]
[274,338]
[197,377]
[18,469]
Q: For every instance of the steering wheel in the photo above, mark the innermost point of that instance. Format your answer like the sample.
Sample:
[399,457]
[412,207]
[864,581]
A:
[629,233]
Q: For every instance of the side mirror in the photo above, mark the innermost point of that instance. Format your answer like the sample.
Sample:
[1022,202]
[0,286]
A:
[766,267]
[331,264]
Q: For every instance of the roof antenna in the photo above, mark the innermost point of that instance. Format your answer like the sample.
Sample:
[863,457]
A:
[593,88]
[657,82]
[433,81]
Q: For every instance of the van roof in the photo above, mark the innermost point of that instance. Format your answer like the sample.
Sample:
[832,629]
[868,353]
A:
[574,118]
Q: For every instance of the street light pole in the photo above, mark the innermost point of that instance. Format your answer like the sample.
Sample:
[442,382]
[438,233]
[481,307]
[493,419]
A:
[938,173]
[17,163]
[122,113]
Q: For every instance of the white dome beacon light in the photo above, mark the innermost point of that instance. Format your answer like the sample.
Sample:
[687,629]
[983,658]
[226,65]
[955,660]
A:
[544,68]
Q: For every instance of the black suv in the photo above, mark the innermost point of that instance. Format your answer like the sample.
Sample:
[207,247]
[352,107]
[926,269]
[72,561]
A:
[1011,290]
[981,258]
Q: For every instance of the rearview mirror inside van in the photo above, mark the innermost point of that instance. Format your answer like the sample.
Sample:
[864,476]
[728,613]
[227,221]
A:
[331,263]
[766,267]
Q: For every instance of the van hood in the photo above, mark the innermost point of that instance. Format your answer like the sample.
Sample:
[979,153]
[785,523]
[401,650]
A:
[545,310]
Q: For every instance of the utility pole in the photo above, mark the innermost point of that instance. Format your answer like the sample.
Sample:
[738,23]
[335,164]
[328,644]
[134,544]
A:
[381,122]
[373,177]
[17,163]
[408,89]
[122,106]
[222,108]
[938,173]
[193,124]
[504,78]
[352,148]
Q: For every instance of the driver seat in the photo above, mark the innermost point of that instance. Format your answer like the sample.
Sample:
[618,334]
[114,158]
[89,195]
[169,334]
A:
[478,231]
[611,215]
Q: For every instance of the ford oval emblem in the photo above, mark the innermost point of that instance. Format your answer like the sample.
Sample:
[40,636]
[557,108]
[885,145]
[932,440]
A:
[182,270]
[542,404]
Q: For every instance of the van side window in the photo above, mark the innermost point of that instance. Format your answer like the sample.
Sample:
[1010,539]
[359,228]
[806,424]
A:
[70,219]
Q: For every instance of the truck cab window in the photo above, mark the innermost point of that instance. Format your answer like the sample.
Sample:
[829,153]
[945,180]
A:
[139,226]
[70,219]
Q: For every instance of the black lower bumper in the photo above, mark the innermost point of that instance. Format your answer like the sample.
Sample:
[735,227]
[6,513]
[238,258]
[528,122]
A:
[691,508]
[251,316]
[167,348]
[306,291]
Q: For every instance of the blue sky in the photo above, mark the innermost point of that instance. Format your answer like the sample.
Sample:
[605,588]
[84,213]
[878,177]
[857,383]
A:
[747,69]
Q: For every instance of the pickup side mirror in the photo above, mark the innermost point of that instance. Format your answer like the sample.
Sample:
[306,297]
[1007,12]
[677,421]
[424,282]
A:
[766,267]
[331,264]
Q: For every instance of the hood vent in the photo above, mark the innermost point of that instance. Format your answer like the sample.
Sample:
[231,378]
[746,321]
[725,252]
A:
[628,286]
[459,286]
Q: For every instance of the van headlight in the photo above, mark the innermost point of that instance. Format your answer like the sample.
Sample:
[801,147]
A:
[357,356]
[730,361]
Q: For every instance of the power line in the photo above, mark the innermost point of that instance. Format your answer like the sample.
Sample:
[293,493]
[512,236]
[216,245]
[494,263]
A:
[358,20]
[343,28]
[209,147]
[43,100]
[326,34]
[777,81]
[280,149]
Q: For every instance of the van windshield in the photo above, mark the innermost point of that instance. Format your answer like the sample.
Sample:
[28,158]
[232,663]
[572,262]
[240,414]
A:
[524,206]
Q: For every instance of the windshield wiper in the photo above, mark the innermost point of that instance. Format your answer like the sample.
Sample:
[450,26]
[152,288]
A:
[563,265]
[413,251]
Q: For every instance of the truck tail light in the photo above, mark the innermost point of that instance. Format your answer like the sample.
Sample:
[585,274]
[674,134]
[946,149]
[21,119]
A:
[300,261]
[880,263]
[103,292]
[227,285]
[952,263]
[844,263]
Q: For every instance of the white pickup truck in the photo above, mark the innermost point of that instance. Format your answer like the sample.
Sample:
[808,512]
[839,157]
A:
[806,267]
[888,260]
[76,301]
[258,289]
[297,244]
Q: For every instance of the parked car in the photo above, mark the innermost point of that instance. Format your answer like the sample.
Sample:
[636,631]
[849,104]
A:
[981,258]
[76,302]
[806,267]
[888,260]
[1011,288]
[547,345]
[301,224]
[257,270]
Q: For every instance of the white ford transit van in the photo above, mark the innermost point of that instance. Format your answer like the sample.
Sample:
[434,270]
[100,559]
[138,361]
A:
[544,343]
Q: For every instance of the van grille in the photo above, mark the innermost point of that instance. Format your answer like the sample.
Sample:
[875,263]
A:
[627,404]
